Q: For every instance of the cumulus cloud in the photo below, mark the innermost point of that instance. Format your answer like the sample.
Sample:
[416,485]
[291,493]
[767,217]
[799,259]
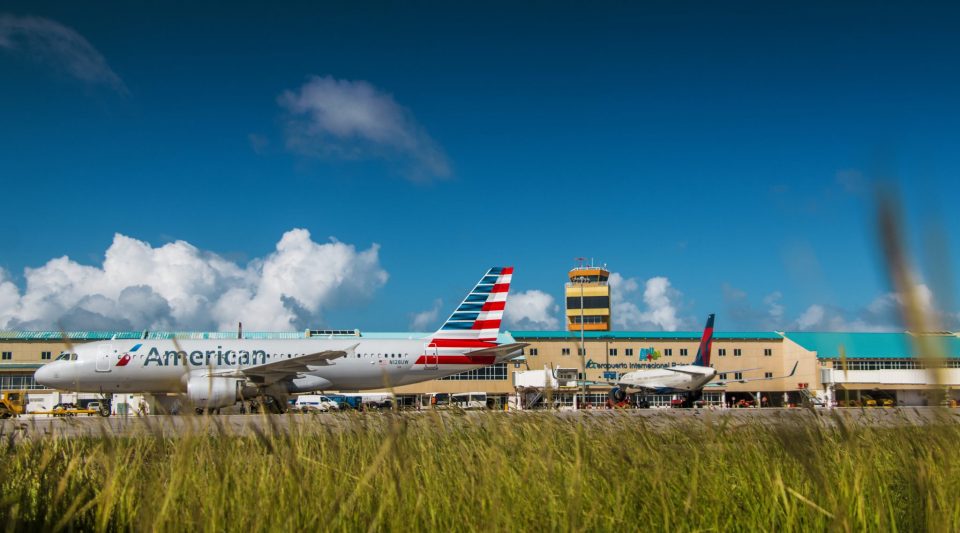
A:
[54,44]
[660,302]
[813,316]
[531,309]
[881,314]
[425,320]
[347,119]
[178,285]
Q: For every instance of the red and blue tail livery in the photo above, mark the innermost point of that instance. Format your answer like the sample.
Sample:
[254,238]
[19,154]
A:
[706,343]
[476,322]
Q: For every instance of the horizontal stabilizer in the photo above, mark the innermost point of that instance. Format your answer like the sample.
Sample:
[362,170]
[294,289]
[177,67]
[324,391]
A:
[502,353]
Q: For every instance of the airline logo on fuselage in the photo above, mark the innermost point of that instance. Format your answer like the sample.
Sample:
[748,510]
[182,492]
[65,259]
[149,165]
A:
[125,358]
[218,357]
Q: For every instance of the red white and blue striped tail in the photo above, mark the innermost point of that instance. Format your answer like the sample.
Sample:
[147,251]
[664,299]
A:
[476,323]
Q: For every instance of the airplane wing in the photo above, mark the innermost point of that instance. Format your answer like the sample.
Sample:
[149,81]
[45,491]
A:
[724,382]
[687,372]
[269,373]
[502,353]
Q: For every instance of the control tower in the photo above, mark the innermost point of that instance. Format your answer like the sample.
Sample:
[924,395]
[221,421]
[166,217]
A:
[588,297]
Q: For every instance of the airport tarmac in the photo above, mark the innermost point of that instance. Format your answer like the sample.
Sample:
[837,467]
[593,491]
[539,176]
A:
[34,427]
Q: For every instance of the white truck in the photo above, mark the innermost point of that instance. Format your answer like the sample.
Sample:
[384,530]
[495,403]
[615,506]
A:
[308,403]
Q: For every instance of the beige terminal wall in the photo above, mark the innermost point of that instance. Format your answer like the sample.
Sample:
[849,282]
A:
[550,352]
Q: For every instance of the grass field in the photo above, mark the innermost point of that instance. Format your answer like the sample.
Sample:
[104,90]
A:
[493,471]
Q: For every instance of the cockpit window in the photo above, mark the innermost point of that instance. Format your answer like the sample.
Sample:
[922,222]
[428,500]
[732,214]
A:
[64,356]
[73,357]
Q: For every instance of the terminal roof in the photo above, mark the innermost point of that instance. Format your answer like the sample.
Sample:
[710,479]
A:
[875,345]
[503,338]
[646,335]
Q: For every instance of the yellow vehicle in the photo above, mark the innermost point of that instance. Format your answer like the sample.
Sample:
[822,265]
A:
[69,409]
[12,403]
[869,401]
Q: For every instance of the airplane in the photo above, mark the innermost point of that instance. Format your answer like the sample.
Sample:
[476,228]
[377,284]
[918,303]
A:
[688,380]
[217,373]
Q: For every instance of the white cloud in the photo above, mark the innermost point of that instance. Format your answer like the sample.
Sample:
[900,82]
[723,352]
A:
[811,317]
[348,119]
[660,301]
[425,320]
[819,317]
[775,309]
[9,298]
[53,43]
[179,286]
[532,309]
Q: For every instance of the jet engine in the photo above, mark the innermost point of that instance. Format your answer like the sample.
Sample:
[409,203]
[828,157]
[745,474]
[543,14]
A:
[617,395]
[213,392]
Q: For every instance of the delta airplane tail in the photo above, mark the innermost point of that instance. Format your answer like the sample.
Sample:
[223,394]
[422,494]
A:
[475,324]
[706,342]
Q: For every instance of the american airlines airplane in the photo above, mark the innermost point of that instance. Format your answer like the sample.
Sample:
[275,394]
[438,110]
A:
[218,373]
[684,379]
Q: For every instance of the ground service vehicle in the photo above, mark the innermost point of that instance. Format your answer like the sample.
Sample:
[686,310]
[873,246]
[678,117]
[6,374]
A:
[469,400]
[12,403]
[315,402]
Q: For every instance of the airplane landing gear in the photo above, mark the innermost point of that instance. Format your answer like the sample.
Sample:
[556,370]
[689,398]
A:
[617,395]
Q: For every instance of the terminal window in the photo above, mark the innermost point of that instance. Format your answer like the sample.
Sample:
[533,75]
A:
[492,372]
[565,351]
[628,351]
[18,381]
[723,376]
[581,351]
[588,319]
[722,352]
[683,351]
[7,356]
[737,352]
[768,351]
[533,351]
[738,375]
[45,355]
[896,365]
[589,302]
[668,352]
[613,352]
[768,374]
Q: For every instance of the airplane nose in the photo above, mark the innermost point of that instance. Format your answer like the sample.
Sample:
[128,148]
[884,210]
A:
[47,375]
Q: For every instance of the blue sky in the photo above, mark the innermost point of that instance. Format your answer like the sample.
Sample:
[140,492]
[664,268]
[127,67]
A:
[729,150]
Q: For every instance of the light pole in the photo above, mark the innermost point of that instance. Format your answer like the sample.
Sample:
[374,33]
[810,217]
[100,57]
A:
[583,351]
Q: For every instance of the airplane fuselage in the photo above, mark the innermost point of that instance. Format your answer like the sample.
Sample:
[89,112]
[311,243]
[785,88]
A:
[162,366]
[683,378]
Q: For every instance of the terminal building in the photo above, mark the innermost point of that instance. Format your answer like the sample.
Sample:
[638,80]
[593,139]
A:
[832,369]
[840,369]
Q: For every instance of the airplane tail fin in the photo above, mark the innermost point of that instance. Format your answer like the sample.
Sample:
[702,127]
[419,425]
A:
[706,342]
[476,322]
